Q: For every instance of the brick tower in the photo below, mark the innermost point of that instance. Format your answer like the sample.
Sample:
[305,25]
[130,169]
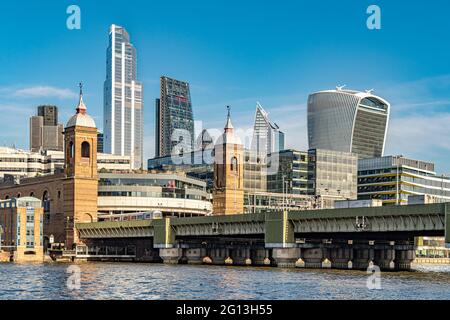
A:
[228,173]
[81,185]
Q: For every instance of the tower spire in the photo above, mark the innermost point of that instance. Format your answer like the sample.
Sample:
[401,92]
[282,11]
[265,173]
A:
[229,126]
[81,108]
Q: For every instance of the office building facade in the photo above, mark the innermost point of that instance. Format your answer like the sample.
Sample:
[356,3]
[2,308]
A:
[267,137]
[393,179]
[290,174]
[21,221]
[174,119]
[123,99]
[348,121]
[45,131]
[332,175]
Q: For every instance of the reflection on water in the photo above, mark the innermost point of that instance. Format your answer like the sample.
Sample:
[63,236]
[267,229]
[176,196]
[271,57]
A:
[157,281]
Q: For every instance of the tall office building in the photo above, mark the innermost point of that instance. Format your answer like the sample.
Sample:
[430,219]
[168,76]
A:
[267,137]
[123,99]
[50,115]
[45,132]
[348,121]
[174,119]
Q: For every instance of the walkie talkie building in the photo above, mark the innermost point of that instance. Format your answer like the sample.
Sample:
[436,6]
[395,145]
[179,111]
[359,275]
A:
[348,121]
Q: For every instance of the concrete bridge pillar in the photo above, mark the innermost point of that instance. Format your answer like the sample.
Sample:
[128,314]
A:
[403,259]
[312,257]
[384,258]
[285,257]
[194,255]
[219,255]
[361,258]
[341,256]
[260,257]
[171,255]
[241,256]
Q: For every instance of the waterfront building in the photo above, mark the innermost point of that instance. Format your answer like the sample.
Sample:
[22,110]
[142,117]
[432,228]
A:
[68,197]
[45,131]
[288,172]
[21,222]
[332,175]
[228,193]
[174,120]
[348,121]
[123,99]
[393,179]
[267,137]
[172,194]
[27,164]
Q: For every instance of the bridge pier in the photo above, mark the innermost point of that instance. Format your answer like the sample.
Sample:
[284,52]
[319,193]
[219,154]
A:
[260,257]
[194,255]
[241,256]
[171,255]
[403,259]
[285,257]
[218,255]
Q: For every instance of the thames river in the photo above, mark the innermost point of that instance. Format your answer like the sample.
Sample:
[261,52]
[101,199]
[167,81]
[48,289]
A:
[157,281]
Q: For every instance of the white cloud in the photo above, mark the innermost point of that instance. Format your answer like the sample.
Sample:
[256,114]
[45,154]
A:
[423,137]
[43,91]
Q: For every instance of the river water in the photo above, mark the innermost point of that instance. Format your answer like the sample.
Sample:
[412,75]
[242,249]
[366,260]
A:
[158,281]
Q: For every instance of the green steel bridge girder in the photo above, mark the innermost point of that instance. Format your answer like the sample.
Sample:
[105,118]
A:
[279,229]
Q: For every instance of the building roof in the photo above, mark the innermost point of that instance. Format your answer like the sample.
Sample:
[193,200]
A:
[81,118]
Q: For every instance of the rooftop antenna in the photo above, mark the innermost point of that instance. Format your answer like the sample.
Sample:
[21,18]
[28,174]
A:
[339,88]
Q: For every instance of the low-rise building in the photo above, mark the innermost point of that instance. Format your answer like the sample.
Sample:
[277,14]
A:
[393,179]
[21,229]
[173,194]
[28,164]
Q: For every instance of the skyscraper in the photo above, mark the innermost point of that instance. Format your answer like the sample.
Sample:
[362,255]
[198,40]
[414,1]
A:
[123,99]
[45,132]
[267,137]
[174,118]
[348,121]
[50,114]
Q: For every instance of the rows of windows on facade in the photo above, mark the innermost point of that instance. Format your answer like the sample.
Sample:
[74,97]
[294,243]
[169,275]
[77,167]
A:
[346,133]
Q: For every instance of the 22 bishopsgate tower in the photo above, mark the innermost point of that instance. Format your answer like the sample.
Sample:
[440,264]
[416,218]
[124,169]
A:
[123,99]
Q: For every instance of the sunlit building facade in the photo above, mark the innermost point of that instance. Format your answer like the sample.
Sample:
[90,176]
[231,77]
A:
[174,119]
[123,99]
[267,137]
[348,121]
[394,179]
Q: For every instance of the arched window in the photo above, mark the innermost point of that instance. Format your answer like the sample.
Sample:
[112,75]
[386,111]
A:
[234,164]
[7,197]
[71,150]
[19,195]
[85,150]
[31,194]
[46,202]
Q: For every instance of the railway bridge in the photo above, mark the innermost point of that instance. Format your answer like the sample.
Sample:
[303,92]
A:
[337,238]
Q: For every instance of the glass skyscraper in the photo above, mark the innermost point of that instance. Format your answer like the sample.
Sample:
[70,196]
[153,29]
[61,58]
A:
[348,121]
[123,99]
[267,137]
[174,119]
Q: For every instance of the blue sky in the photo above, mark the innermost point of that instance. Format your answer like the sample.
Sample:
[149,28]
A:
[236,53]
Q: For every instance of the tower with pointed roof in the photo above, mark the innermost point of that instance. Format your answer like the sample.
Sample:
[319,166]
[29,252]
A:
[81,185]
[228,195]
